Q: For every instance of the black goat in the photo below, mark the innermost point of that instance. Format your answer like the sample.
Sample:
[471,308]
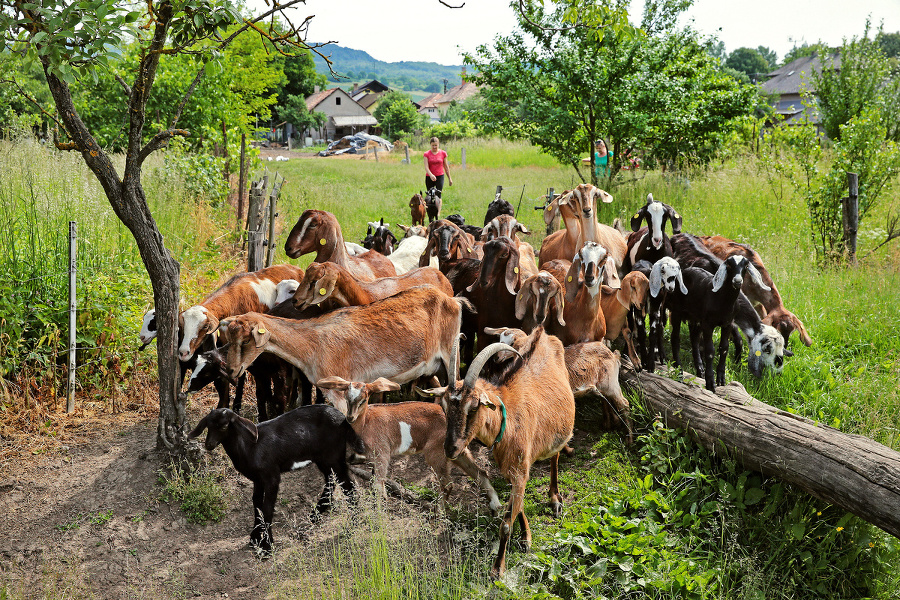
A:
[383,240]
[316,434]
[650,243]
[433,204]
[710,303]
[665,280]
[763,338]
[497,207]
[458,220]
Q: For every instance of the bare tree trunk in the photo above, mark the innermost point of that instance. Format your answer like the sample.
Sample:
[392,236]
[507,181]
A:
[127,198]
[850,471]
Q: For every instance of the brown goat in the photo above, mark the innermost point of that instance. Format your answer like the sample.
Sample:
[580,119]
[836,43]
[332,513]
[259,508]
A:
[584,318]
[773,311]
[318,231]
[526,417]
[593,371]
[417,209]
[402,338]
[256,291]
[617,303]
[333,283]
[543,294]
[401,429]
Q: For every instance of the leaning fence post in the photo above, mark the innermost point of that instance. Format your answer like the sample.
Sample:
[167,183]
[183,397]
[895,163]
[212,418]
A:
[463,165]
[850,214]
[73,253]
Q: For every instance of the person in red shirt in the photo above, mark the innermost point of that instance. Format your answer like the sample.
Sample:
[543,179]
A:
[436,166]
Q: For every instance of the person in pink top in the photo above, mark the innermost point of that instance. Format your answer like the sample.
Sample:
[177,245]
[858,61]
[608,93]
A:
[436,166]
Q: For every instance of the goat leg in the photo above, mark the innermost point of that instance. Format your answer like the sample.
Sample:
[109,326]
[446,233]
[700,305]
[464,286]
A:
[478,475]
[699,365]
[708,353]
[516,504]
[723,353]
[264,495]
[555,498]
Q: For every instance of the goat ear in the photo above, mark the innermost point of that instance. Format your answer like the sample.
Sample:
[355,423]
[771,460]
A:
[611,273]
[522,228]
[199,428]
[564,199]
[624,295]
[560,306]
[323,288]
[425,258]
[655,281]
[333,383]
[638,218]
[513,275]
[431,392]
[485,400]
[719,278]
[246,425]
[675,218]
[261,335]
[522,300]
[757,278]
[223,326]
[382,384]
[403,227]
[572,279]
[603,196]
[486,232]
[681,285]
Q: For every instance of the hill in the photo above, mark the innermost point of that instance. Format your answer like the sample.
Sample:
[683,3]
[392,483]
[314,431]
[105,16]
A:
[359,65]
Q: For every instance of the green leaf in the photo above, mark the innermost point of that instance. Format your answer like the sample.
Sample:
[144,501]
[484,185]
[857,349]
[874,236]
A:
[753,495]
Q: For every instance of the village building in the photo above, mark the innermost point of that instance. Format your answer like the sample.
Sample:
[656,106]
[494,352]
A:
[790,82]
[345,115]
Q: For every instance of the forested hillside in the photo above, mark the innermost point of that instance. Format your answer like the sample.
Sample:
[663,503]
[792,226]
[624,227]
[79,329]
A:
[358,65]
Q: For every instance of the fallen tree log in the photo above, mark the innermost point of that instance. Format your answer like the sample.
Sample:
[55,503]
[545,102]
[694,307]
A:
[849,471]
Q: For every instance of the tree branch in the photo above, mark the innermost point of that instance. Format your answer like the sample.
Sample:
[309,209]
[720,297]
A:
[25,95]
[159,141]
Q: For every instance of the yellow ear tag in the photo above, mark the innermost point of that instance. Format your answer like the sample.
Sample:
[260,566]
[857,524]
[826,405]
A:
[636,215]
[470,250]
[323,241]
[261,329]
[322,291]
[570,278]
[677,216]
[515,269]
[758,353]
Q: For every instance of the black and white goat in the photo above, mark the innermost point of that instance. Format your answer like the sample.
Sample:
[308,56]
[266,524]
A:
[665,280]
[315,434]
[650,243]
[710,303]
[767,344]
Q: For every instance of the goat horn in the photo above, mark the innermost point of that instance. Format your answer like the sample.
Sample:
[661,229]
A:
[479,361]
[453,367]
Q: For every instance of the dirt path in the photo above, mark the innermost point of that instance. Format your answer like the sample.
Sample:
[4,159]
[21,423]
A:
[88,519]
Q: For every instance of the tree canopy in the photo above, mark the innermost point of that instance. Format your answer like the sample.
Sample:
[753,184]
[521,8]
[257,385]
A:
[656,89]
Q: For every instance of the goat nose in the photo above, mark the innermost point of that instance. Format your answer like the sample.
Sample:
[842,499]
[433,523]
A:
[738,281]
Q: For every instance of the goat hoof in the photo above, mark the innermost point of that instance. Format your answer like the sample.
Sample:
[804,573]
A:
[261,541]
[556,507]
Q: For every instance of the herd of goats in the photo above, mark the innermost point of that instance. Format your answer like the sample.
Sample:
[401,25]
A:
[533,332]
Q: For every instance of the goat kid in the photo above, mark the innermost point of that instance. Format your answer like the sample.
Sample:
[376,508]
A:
[317,435]
[651,243]
[404,428]
[417,209]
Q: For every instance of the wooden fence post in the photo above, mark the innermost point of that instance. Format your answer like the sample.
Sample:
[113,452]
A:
[463,165]
[73,254]
[407,153]
[850,214]
[273,203]
[242,178]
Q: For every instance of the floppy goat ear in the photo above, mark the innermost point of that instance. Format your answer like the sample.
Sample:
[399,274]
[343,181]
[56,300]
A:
[381,385]
[261,335]
[638,218]
[522,299]
[719,278]
[675,218]
[333,383]
[200,427]
[324,287]
[513,275]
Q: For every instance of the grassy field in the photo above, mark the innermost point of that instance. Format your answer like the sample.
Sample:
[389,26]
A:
[661,519]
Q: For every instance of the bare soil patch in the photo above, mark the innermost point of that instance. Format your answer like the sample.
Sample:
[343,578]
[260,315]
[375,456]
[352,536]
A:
[83,518]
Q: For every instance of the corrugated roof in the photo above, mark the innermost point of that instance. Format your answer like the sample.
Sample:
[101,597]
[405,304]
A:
[349,121]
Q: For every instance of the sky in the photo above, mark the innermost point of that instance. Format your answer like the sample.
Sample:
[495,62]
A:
[426,30]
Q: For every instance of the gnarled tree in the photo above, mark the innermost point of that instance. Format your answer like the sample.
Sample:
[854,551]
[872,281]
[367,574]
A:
[71,40]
